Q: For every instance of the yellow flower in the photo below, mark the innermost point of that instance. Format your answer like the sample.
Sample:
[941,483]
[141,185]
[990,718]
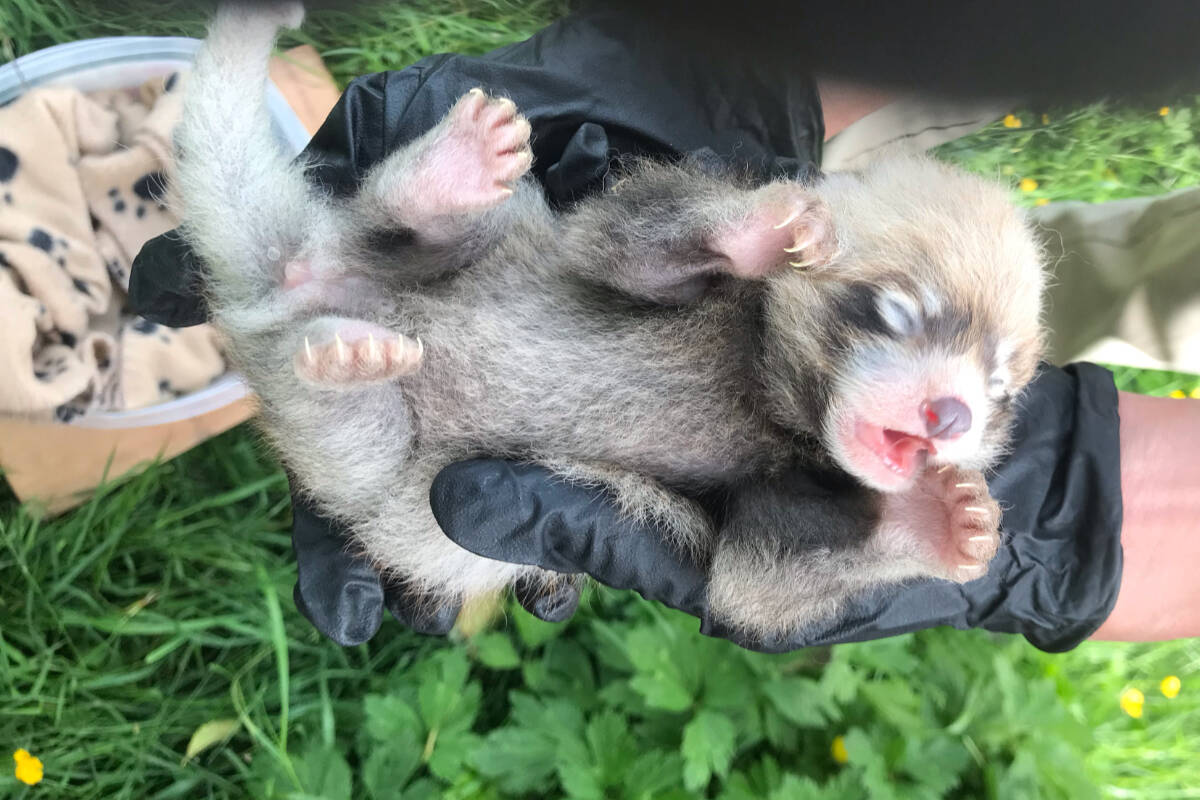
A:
[1162,112]
[1170,686]
[838,750]
[1045,119]
[1178,394]
[1195,393]
[1042,201]
[1028,184]
[1012,121]
[29,768]
[1131,702]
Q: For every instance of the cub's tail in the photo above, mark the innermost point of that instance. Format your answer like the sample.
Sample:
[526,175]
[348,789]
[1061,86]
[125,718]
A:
[244,203]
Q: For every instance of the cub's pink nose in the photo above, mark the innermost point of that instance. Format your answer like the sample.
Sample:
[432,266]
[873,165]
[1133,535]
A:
[946,417]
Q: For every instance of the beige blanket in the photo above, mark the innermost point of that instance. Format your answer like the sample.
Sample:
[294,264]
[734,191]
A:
[82,182]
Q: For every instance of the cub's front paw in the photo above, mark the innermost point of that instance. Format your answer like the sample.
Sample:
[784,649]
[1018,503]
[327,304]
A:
[787,227]
[949,518]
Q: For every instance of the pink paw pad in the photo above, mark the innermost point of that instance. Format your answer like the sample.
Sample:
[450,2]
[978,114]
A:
[357,354]
[971,534]
[484,150]
[947,521]
[788,227]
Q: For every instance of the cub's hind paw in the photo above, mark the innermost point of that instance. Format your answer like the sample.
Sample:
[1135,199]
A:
[351,354]
[484,147]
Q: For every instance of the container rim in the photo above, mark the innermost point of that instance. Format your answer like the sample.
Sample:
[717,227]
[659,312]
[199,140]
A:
[61,61]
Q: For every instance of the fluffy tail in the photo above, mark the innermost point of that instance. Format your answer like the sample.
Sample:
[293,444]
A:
[244,203]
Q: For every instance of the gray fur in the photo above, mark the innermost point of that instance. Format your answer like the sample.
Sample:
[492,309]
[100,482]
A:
[618,343]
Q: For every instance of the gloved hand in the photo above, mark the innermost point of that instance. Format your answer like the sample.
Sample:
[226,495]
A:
[594,87]
[1050,581]
[1054,579]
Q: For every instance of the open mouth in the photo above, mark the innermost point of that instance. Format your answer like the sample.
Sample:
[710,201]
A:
[902,453]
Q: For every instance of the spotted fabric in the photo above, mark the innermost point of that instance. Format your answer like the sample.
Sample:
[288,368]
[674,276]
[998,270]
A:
[84,182]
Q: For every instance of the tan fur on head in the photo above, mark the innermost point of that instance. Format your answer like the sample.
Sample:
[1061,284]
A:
[955,277]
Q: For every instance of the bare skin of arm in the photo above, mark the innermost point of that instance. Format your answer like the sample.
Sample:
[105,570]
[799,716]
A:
[1160,483]
[846,102]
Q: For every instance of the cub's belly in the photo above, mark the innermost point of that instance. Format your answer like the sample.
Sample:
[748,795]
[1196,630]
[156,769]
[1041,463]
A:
[675,405]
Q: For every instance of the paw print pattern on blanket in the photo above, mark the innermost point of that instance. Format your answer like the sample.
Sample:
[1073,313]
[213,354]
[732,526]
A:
[84,182]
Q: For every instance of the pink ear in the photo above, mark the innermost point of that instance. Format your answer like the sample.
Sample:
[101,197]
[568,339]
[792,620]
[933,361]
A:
[296,273]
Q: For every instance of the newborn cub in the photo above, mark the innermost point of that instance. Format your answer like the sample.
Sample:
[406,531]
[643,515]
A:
[677,333]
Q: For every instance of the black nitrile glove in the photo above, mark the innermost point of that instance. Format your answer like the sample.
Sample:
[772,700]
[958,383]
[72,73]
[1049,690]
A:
[1054,580]
[594,86]
[342,594]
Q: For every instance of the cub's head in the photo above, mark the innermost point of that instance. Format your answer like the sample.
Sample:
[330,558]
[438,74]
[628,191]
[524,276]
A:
[911,347]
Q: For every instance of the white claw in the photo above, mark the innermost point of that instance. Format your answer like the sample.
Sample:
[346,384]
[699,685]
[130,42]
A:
[800,264]
[943,468]
[420,349]
[975,509]
[983,537]
[341,347]
[972,567]
[966,486]
[371,346]
[308,350]
[791,218]
[796,248]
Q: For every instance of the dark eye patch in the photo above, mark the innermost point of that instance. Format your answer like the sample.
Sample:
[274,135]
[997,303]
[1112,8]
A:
[857,307]
[950,324]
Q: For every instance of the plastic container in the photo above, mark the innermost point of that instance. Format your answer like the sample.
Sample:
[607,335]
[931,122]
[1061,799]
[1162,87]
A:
[83,447]
[116,63]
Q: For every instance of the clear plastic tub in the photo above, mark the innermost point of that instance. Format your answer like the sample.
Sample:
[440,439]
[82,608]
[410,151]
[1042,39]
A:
[122,62]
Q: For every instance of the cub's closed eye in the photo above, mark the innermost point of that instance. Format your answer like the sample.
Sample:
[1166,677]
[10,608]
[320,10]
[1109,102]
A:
[899,311]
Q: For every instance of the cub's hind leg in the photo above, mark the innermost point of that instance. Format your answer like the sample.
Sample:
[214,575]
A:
[340,353]
[443,198]
[681,520]
[666,233]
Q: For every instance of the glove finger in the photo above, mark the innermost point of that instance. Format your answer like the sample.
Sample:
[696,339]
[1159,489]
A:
[419,611]
[339,593]
[553,601]
[164,282]
[522,514]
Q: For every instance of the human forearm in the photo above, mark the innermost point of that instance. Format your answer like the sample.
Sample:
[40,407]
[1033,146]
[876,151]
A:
[1159,596]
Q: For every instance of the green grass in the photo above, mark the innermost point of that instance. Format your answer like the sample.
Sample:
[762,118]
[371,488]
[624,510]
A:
[1097,153]
[165,603]
[356,39]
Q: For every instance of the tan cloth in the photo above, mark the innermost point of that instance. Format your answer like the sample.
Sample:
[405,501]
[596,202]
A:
[82,181]
[1126,273]
[126,187]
